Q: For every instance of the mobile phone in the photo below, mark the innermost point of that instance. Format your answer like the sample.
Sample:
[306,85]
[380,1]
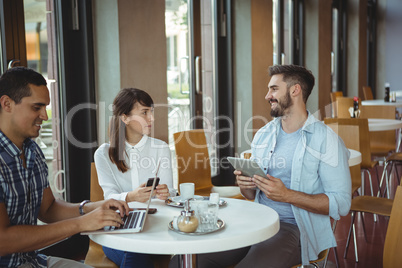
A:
[151,181]
[150,210]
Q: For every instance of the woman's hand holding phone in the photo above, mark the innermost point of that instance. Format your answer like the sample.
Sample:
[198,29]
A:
[140,194]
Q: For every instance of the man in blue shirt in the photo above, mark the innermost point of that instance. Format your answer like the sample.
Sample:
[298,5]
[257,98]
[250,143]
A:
[25,195]
[308,179]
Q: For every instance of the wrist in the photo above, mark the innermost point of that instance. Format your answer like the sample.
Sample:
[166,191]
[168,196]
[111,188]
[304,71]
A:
[82,207]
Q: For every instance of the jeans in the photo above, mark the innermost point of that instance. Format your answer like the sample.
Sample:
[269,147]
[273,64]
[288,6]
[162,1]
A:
[128,259]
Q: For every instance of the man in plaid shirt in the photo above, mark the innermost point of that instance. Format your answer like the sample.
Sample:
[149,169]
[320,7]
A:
[25,195]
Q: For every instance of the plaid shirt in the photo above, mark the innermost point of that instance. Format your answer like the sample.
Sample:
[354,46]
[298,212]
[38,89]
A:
[21,191]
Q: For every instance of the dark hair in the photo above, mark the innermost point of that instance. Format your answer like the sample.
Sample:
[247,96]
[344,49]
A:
[15,83]
[295,74]
[122,105]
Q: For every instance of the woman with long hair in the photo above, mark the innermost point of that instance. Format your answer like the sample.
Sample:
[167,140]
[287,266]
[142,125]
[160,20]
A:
[132,157]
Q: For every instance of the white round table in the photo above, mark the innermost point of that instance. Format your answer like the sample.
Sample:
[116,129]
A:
[355,157]
[247,223]
[384,124]
[381,102]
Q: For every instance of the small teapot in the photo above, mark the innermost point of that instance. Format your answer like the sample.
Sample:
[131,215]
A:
[187,222]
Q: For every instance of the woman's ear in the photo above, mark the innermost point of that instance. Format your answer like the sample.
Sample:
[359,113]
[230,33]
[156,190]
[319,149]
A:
[124,118]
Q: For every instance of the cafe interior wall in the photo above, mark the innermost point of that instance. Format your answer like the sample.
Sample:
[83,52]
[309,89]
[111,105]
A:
[127,55]
[107,61]
[393,45]
[253,54]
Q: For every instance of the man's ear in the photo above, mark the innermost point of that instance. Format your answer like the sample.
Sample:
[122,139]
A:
[6,103]
[296,90]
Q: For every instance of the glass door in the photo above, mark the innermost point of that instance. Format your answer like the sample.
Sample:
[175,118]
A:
[191,67]
[27,39]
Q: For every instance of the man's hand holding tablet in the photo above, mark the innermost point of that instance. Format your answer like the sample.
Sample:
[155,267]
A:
[248,167]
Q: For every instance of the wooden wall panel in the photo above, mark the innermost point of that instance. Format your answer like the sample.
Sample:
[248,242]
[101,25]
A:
[143,55]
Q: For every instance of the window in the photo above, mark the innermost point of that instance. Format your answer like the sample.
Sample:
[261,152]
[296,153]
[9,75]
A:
[338,54]
[288,31]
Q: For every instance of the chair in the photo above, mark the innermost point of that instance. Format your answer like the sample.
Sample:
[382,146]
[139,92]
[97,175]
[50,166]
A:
[381,142]
[334,96]
[368,204]
[95,256]
[246,154]
[392,160]
[322,256]
[367,93]
[355,134]
[343,104]
[193,164]
[392,256]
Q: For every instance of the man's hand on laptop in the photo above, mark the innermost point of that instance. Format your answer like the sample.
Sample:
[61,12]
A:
[103,213]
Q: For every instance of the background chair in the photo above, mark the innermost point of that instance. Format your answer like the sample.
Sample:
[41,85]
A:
[381,142]
[369,204]
[193,164]
[334,96]
[343,104]
[393,161]
[95,256]
[367,93]
[355,134]
[392,256]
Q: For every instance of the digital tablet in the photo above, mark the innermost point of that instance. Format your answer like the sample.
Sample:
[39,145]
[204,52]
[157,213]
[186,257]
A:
[247,167]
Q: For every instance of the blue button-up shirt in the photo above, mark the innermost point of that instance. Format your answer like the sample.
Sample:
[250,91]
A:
[21,191]
[320,165]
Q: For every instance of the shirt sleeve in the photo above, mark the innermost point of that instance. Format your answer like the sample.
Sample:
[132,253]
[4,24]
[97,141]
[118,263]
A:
[335,175]
[106,177]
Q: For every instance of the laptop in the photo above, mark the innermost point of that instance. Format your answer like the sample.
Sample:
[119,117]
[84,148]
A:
[133,222]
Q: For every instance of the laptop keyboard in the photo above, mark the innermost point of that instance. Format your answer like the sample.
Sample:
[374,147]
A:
[133,220]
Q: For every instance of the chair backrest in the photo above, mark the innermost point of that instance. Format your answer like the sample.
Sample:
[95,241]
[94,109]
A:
[343,104]
[334,96]
[193,158]
[246,154]
[392,256]
[355,134]
[380,141]
[96,193]
[367,93]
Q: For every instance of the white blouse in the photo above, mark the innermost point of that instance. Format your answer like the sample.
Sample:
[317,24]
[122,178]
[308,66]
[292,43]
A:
[142,160]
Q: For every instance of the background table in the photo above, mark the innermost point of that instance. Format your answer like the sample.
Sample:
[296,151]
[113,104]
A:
[247,223]
[381,102]
[384,124]
[355,158]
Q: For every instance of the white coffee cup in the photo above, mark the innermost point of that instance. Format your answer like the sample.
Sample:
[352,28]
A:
[187,190]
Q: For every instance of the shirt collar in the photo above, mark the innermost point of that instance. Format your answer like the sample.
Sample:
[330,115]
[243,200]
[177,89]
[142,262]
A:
[139,146]
[10,147]
[307,126]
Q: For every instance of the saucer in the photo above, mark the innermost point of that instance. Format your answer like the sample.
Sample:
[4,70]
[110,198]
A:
[220,224]
[178,199]
[178,203]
